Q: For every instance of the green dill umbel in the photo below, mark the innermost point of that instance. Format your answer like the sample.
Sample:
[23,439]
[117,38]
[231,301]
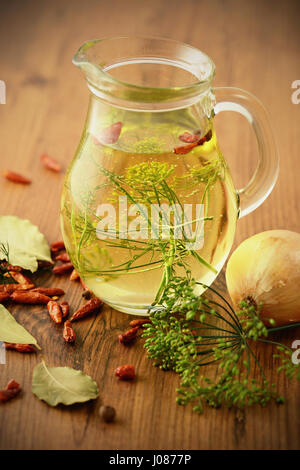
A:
[188,332]
[143,184]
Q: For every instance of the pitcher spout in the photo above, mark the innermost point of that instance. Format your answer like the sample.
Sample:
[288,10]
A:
[86,59]
[136,72]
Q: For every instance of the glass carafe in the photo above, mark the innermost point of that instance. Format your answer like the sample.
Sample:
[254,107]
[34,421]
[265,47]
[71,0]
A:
[148,194]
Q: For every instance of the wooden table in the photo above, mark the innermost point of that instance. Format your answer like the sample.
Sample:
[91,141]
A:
[255,46]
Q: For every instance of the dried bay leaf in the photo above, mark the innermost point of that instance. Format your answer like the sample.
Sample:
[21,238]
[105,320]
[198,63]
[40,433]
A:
[12,332]
[26,244]
[63,385]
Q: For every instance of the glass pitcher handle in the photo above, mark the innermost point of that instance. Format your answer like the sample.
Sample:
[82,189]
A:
[265,175]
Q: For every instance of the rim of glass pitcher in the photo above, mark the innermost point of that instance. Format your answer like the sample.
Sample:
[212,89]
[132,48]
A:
[122,93]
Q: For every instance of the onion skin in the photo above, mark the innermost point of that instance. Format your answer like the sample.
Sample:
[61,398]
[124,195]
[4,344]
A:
[266,268]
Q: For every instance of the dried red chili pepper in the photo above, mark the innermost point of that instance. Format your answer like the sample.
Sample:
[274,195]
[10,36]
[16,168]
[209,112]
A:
[68,333]
[12,384]
[4,296]
[29,297]
[23,348]
[206,138]
[64,306]
[55,311]
[24,281]
[64,257]
[125,372]
[57,246]
[9,288]
[129,335]
[62,269]
[181,150]
[139,322]
[109,135]
[50,163]
[90,307]
[50,291]
[187,148]
[44,264]
[189,138]
[74,276]
[11,267]
[15,177]
[12,390]
[208,135]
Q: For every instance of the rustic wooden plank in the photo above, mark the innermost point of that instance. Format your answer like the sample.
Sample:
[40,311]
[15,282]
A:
[255,46]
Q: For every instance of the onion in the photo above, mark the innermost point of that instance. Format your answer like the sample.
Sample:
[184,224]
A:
[266,268]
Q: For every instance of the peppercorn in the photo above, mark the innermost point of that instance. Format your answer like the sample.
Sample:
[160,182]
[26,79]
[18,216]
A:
[107,413]
[86,294]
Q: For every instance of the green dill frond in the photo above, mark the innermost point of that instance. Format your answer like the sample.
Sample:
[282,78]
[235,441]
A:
[188,332]
[251,321]
[288,367]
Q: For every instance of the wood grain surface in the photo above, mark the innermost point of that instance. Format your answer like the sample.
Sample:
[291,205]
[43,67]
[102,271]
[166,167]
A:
[255,46]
